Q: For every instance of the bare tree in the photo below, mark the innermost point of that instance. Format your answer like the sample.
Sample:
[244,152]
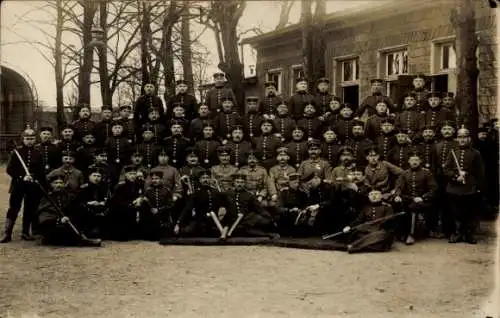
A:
[285,8]
[186,52]
[58,67]
[313,39]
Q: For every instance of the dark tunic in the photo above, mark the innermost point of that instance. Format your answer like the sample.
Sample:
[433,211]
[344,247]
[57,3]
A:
[370,102]
[239,152]
[343,128]
[384,143]
[124,216]
[359,146]
[297,103]
[176,147]
[159,130]
[427,153]
[196,128]
[266,146]
[83,127]
[142,107]
[284,126]
[49,156]
[182,121]
[225,123]
[269,103]
[297,150]
[312,127]
[414,183]
[435,117]
[399,155]
[409,119]
[149,151]
[373,126]
[330,152]
[94,216]
[322,101]
[214,97]
[207,152]
[103,131]
[251,124]
[187,101]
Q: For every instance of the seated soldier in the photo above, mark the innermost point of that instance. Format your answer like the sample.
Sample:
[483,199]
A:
[292,202]
[171,177]
[73,177]
[245,214]
[352,197]
[93,198]
[278,174]
[54,213]
[156,219]
[195,219]
[415,190]
[380,175]
[257,180]
[376,236]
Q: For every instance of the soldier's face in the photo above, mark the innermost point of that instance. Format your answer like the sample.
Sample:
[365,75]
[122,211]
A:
[203,111]
[358,176]
[329,136]
[428,134]
[334,105]
[205,180]
[418,82]
[252,106]
[346,158]
[45,136]
[301,86]
[117,130]
[237,135]
[447,101]
[154,115]
[84,113]
[297,134]
[29,141]
[409,102]
[239,184]
[434,101]
[155,180]
[178,112]
[376,87]
[89,139]
[208,132]
[482,135]
[163,159]
[139,175]
[372,158]
[106,114]
[224,158]
[309,110]
[95,177]
[176,129]
[182,88]
[414,161]
[266,128]
[282,158]
[270,90]
[131,175]
[136,159]
[147,135]
[192,160]
[219,80]
[402,138]
[358,130]
[227,105]
[57,185]
[149,89]
[252,161]
[294,184]
[463,140]
[381,108]
[375,196]
[125,113]
[323,87]
[346,112]
[282,109]
[314,152]
[387,127]
[68,133]
[447,131]
[68,160]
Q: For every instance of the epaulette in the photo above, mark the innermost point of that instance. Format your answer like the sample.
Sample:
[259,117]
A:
[83,186]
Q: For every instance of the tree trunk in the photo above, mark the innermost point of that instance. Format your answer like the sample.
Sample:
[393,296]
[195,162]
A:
[145,28]
[88,52]
[187,54]
[306,21]
[318,46]
[60,117]
[232,65]
[468,72]
[168,67]
[286,7]
[103,58]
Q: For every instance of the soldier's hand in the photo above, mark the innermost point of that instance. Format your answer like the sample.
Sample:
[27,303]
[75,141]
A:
[176,229]
[221,213]
[224,142]
[92,203]
[418,200]
[28,178]
[259,198]
[274,197]
[322,118]
[461,179]
[175,198]
[346,229]
[64,220]
[154,210]
[397,199]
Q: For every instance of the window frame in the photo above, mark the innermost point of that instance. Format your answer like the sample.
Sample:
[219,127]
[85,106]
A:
[279,72]
[355,71]
[293,68]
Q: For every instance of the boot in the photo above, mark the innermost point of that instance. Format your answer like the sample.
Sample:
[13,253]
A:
[410,240]
[90,242]
[7,237]
[454,238]
[26,229]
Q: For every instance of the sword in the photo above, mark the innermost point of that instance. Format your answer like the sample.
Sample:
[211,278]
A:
[235,224]
[223,230]
[460,171]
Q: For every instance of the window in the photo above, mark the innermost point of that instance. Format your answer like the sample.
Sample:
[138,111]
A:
[443,65]
[448,57]
[297,72]
[350,71]
[277,77]
[396,63]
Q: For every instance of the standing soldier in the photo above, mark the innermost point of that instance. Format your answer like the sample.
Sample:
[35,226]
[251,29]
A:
[22,185]
[48,150]
[331,146]
[118,150]
[283,122]
[257,180]
[300,98]
[315,164]
[322,98]
[410,117]
[183,99]
[103,127]
[271,100]
[148,148]
[239,148]
[207,147]
[83,125]
[129,128]
[196,125]
[359,143]
[420,92]
[279,174]
[157,127]
[297,148]
[387,138]
[67,142]
[267,144]
[435,114]
[374,123]
[223,173]
[252,117]
[73,178]
[367,107]
[216,94]
[146,102]
[176,146]
[464,169]
[189,173]
[226,120]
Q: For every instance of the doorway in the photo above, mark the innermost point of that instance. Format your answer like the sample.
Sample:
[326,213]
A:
[440,83]
[350,95]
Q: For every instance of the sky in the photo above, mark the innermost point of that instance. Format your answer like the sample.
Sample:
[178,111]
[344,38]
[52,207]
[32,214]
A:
[28,61]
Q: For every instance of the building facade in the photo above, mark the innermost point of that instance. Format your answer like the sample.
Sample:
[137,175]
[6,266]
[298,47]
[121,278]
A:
[392,41]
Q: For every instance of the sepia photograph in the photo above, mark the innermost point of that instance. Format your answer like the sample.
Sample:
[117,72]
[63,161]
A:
[244,158]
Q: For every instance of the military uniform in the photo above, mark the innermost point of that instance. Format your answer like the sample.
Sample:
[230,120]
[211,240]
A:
[142,107]
[239,152]
[224,176]
[186,101]
[298,102]
[50,156]
[359,145]
[312,127]
[292,201]
[322,101]
[435,117]
[373,126]
[66,145]
[381,176]
[266,146]
[279,177]
[207,152]
[196,127]
[318,166]
[421,95]
[157,220]
[251,124]
[257,181]
[171,178]
[399,155]
[103,128]
[82,127]
[384,143]
[270,102]
[176,147]
[149,152]
[215,95]
[344,128]
[427,153]
[73,178]
[322,220]
[370,102]
[225,123]
[118,149]
[410,120]
[284,126]
[95,215]
[159,130]
[297,150]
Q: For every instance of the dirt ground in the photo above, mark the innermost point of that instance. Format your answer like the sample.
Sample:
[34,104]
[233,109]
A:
[143,279]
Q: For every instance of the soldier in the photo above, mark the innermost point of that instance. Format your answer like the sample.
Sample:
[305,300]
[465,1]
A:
[129,127]
[182,98]
[334,116]
[368,105]
[73,178]
[375,121]
[415,190]
[271,100]
[292,201]
[399,154]
[85,153]
[255,220]
[197,124]
[380,175]
[189,173]
[148,148]
[239,148]
[171,176]
[297,148]
[252,117]
[435,114]
[420,92]
[176,146]
[155,125]
[283,122]
[331,146]
[94,198]
[315,164]
[57,212]
[49,154]
[215,95]
[448,103]
[344,124]
[376,237]
[464,169]
[409,118]
[226,120]
[101,163]
[206,148]
[137,161]
[359,143]
[118,149]
[157,220]
[339,174]
[387,138]
[67,142]
[267,144]
[322,98]
[146,102]
[310,122]
[23,186]
[195,219]
[300,98]
[223,172]
[83,125]
[257,180]
[103,127]
[427,149]
[278,174]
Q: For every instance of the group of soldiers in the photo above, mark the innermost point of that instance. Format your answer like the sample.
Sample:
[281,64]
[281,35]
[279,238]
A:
[303,167]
